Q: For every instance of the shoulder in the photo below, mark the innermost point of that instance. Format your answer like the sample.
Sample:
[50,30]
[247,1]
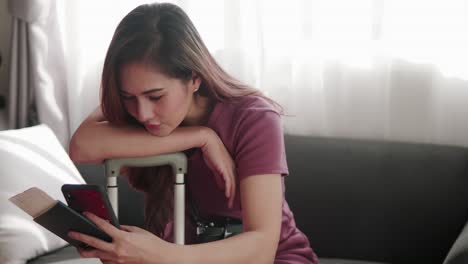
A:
[258,143]
[254,116]
[244,118]
[254,103]
[254,108]
[239,110]
[250,107]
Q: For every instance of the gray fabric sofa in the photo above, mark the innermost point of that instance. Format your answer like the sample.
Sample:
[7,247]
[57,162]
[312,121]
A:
[358,201]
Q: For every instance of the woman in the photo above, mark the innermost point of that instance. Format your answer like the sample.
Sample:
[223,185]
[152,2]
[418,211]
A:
[163,92]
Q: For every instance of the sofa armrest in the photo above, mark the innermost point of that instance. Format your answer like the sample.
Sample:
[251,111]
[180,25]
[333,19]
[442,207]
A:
[458,253]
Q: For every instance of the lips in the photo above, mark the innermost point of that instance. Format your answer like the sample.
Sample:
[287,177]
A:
[152,126]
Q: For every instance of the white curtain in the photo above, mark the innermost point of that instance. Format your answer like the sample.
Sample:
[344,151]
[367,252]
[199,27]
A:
[37,86]
[375,69]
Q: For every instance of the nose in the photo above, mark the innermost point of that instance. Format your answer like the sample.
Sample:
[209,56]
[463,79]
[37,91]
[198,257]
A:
[144,111]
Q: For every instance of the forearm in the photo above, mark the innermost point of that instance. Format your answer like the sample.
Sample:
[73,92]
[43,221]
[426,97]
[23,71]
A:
[97,141]
[247,247]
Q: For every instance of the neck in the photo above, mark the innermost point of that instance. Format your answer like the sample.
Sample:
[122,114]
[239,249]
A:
[199,112]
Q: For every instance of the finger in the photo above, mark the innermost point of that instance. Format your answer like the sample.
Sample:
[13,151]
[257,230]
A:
[227,189]
[233,194]
[91,241]
[230,203]
[129,228]
[220,181]
[94,253]
[103,224]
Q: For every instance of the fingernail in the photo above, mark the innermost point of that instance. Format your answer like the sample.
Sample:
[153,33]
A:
[88,214]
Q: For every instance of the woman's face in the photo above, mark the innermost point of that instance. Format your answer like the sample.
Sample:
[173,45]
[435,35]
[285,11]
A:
[156,100]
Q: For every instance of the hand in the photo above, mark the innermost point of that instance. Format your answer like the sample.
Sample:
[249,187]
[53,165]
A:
[220,162]
[129,245]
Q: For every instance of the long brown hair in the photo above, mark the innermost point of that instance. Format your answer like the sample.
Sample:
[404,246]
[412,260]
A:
[163,36]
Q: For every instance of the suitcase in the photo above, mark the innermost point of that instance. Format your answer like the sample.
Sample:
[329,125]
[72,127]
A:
[178,162]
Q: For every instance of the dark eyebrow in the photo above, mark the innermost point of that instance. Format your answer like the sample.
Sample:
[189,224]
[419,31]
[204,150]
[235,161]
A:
[145,92]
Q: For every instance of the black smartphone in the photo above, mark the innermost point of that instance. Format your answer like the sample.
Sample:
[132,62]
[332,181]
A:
[90,198]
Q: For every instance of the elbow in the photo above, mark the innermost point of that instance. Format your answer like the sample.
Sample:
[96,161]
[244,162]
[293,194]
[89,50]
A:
[270,254]
[75,151]
[266,253]
[80,152]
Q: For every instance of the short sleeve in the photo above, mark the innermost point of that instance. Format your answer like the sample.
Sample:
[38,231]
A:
[260,144]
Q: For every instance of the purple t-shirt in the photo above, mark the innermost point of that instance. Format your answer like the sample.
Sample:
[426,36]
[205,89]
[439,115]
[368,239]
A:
[252,132]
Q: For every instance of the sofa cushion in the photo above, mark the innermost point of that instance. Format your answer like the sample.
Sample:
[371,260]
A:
[69,255]
[345,261]
[65,255]
[380,201]
[30,157]
[458,254]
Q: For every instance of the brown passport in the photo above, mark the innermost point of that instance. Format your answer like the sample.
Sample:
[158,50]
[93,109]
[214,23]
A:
[56,216]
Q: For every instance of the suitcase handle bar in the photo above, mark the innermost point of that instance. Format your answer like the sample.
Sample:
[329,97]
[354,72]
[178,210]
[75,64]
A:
[178,162]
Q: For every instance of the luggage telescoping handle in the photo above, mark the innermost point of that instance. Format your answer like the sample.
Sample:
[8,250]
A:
[178,162]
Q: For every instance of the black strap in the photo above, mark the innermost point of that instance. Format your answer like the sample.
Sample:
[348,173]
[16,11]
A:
[196,218]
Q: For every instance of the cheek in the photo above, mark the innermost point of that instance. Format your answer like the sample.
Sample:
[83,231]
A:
[168,110]
[176,103]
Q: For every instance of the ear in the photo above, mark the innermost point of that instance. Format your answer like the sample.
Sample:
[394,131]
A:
[194,82]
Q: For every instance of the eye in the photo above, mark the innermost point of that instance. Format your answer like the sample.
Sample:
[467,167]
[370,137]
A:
[155,98]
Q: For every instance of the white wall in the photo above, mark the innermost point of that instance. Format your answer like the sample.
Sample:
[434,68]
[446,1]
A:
[5,36]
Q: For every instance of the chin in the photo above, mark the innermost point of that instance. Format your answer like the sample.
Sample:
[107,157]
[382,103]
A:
[159,132]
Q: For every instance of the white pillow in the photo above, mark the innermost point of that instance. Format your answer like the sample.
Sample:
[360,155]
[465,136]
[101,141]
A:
[30,157]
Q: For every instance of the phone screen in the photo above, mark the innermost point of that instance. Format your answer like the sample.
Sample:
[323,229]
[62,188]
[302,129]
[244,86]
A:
[89,198]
